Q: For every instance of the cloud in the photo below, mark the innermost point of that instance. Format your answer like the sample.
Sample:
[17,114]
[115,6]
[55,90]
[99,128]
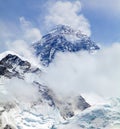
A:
[75,73]
[23,49]
[18,90]
[7,33]
[4,29]
[67,13]
[30,33]
[25,30]
[18,40]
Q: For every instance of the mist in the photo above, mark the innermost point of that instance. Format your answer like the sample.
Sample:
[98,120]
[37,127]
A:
[71,74]
[22,48]
[76,73]
[18,90]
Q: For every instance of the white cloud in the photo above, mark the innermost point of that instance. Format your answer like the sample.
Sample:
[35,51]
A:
[73,73]
[25,30]
[8,31]
[30,33]
[17,89]
[18,40]
[4,31]
[22,48]
[67,13]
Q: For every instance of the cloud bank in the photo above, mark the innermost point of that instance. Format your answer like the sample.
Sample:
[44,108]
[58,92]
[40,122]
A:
[76,73]
[67,13]
[18,90]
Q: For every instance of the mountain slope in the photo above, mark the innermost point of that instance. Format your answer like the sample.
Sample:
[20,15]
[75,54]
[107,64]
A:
[13,66]
[62,39]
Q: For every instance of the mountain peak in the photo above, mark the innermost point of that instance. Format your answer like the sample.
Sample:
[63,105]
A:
[62,39]
[62,29]
[13,65]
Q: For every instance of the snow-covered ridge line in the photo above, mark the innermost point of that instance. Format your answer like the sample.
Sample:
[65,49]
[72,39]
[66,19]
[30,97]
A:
[4,54]
[62,39]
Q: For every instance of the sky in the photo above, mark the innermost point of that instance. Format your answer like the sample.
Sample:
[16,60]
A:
[28,20]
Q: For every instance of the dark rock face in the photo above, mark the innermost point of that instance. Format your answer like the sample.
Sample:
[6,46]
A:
[81,103]
[13,66]
[62,39]
[2,70]
[46,93]
[10,59]
[66,110]
[65,106]
[8,127]
[68,106]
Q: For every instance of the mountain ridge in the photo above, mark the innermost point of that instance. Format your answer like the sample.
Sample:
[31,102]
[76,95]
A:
[62,39]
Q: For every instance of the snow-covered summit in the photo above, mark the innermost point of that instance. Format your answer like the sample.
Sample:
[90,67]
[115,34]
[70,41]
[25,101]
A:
[4,54]
[62,39]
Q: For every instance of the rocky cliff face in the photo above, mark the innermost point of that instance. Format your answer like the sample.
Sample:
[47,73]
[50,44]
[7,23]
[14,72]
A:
[62,39]
[13,66]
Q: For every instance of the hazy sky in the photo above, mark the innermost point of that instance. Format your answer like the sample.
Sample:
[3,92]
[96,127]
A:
[28,20]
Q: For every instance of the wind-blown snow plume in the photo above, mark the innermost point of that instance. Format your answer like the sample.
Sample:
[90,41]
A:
[67,13]
[84,73]
[23,49]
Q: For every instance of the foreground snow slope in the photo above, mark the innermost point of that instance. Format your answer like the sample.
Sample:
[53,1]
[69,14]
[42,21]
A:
[24,116]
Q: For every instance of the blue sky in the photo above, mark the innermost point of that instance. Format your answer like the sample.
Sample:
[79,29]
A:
[103,19]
